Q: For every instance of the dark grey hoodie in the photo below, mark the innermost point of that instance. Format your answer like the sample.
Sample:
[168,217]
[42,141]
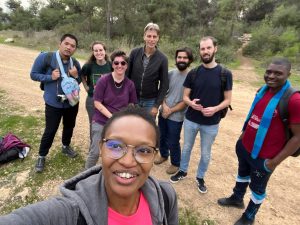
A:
[86,193]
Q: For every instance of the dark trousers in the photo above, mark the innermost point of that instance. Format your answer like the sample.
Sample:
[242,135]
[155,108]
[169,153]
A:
[53,117]
[253,171]
[169,139]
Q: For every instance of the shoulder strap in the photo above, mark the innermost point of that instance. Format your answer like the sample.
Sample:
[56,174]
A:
[223,78]
[47,61]
[193,73]
[283,108]
[224,72]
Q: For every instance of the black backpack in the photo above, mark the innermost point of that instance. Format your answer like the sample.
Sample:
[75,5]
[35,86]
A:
[223,78]
[47,64]
[284,114]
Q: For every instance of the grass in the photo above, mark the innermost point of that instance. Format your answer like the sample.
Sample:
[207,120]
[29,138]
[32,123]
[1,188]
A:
[187,216]
[29,128]
[59,167]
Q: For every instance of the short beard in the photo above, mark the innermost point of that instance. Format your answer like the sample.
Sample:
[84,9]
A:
[181,66]
[209,60]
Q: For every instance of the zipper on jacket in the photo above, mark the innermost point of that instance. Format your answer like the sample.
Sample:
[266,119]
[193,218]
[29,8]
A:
[142,83]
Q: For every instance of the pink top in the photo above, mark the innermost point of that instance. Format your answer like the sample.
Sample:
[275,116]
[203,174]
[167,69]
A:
[141,216]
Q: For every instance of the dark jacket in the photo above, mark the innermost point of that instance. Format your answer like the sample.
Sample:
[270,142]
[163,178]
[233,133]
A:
[153,81]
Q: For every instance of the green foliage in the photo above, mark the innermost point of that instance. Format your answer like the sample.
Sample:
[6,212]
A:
[286,16]
[274,24]
[29,128]
[181,22]
[188,217]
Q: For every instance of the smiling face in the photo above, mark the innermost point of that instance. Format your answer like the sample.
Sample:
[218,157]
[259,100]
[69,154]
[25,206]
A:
[67,48]
[99,52]
[276,76]
[119,65]
[182,61]
[125,176]
[151,38]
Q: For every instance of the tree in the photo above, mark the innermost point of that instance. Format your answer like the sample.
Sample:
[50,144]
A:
[3,19]
[13,5]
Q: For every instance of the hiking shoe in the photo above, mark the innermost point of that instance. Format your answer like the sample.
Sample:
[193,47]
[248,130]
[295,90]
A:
[40,164]
[172,169]
[69,151]
[201,186]
[160,160]
[231,202]
[180,175]
[244,221]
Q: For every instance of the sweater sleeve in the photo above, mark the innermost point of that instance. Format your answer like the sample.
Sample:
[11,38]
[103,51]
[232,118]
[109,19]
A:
[130,65]
[163,82]
[53,211]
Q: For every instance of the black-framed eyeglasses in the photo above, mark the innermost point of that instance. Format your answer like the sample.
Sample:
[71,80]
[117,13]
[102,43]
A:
[123,63]
[117,149]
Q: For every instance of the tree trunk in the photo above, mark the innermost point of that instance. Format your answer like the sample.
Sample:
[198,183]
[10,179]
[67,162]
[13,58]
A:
[108,20]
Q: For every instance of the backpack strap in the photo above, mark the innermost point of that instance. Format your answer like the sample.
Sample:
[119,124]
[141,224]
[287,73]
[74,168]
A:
[224,72]
[283,109]
[47,61]
[193,73]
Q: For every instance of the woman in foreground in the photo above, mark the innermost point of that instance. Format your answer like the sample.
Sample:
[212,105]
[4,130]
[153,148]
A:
[121,192]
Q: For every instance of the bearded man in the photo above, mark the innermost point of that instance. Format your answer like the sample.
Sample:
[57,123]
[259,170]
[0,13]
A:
[205,99]
[171,114]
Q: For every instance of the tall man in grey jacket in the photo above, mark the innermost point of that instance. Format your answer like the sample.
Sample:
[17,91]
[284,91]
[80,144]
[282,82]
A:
[148,69]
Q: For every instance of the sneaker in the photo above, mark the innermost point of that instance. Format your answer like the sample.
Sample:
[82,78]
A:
[201,186]
[160,160]
[231,202]
[244,221]
[172,169]
[69,151]
[40,164]
[180,175]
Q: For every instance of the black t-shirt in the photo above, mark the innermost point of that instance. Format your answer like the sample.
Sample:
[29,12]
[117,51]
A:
[93,72]
[206,86]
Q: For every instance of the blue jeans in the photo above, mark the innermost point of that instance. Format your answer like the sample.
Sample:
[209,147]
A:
[147,103]
[207,137]
[169,139]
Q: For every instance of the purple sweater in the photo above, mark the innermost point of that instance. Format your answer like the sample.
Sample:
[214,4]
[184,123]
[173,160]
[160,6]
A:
[113,98]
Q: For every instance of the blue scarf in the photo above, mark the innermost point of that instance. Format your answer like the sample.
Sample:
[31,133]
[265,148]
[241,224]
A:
[266,118]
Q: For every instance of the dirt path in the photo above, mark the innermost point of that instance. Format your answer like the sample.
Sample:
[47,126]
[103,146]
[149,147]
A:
[282,203]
